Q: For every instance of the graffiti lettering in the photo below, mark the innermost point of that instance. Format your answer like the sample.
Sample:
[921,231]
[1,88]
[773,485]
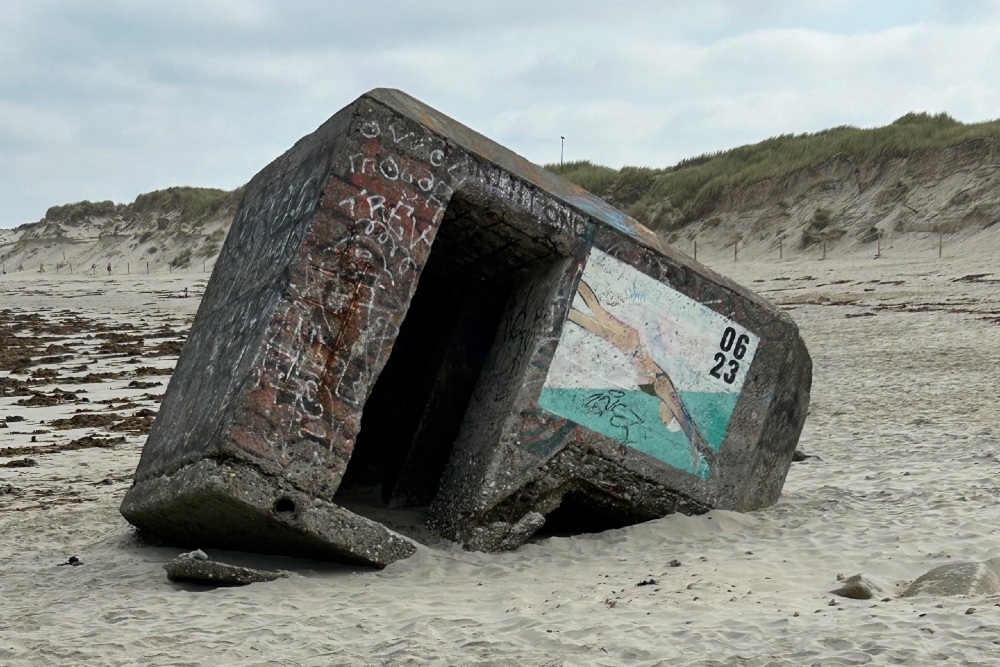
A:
[609,404]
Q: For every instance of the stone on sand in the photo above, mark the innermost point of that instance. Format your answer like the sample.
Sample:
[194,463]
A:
[859,587]
[964,578]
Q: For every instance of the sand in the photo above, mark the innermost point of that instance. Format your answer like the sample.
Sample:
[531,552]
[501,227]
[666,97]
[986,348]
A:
[903,477]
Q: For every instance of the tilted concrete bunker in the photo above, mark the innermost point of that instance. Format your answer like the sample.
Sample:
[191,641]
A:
[403,304]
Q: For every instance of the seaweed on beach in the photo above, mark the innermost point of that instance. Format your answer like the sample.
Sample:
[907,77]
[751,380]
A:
[11,386]
[87,420]
[90,378]
[139,423]
[150,370]
[20,463]
[57,397]
[139,384]
[167,348]
[86,442]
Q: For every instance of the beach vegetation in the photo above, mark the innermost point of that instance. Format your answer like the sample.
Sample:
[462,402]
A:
[694,187]
[182,259]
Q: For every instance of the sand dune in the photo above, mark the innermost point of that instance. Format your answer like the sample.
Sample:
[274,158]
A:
[903,477]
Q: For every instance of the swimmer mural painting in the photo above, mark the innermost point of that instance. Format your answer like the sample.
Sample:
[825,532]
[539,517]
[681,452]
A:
[647,366]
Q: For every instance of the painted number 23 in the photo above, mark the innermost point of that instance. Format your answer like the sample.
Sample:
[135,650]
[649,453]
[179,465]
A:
[738,346]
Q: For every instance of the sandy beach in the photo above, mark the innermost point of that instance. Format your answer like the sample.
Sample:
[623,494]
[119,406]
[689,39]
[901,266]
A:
[902,477]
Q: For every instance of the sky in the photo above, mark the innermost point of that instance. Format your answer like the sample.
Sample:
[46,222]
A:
[107,99]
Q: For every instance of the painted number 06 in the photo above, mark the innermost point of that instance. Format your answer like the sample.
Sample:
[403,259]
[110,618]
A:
[730,343]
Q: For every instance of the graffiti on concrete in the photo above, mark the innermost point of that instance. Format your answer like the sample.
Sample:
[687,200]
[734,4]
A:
[648,366]
[407,310]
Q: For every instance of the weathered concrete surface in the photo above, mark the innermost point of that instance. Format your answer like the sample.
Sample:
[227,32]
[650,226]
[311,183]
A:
[229,505]
[403,305]
[214,572]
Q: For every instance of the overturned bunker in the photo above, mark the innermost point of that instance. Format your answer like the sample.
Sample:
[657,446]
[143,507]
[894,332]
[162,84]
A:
[404,306]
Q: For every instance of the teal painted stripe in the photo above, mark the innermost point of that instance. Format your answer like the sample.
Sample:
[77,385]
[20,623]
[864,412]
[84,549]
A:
[632,418]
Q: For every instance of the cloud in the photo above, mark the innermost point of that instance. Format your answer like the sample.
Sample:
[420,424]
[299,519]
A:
[111,98]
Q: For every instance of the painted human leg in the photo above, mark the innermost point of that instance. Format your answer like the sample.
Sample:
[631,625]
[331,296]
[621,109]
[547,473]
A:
[653,379]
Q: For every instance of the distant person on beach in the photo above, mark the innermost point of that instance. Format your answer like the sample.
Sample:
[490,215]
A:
[109,268]
[93,268]
[182,294]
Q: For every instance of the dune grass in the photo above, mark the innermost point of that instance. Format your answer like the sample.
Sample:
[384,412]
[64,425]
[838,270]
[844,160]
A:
[193,203]
[695,186]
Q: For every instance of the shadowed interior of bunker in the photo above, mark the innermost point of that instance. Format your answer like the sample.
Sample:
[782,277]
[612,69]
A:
[416,407]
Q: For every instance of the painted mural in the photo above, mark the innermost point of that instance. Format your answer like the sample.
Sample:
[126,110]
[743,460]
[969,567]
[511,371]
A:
[651,368]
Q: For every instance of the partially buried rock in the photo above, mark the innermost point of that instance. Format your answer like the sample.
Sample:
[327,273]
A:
[859,587]
[187,568]
[959,579]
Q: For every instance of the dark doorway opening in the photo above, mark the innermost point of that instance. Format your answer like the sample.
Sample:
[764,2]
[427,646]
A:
[578,514]
[418,403]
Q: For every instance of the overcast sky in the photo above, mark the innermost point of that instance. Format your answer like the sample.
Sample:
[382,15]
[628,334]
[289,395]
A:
[105,99]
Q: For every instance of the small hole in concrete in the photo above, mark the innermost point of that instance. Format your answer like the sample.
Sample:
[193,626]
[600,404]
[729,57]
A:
[284,505]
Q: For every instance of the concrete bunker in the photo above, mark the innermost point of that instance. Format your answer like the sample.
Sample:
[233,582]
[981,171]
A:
[417,405]
[404,307]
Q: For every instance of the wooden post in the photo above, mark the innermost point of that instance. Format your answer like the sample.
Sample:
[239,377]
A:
[878,252]
[781,251]
[940,242]
[696,250]
[147,267]
[824,249]
[736,252]
[128,268]
[71,267]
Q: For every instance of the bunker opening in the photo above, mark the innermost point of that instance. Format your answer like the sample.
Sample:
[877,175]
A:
[416,408]
[581,513]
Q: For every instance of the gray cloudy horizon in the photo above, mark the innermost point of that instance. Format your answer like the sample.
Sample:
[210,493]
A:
[111,98]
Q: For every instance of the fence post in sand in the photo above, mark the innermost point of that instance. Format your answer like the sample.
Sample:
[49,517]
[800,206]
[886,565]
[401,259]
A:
[696,250]
[128,268]
[781,250]
[736,252]
[940,242]
[147,267]
[824,249]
